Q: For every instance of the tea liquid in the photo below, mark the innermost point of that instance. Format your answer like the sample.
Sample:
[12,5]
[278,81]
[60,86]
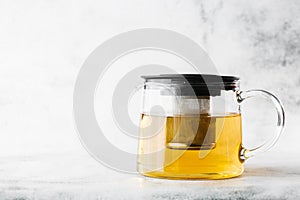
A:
[190,146]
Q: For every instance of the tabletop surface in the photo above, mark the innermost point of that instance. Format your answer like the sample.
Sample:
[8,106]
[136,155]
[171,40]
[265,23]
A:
[76,175]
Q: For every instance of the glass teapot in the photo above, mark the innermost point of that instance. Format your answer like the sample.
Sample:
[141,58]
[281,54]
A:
[191,127]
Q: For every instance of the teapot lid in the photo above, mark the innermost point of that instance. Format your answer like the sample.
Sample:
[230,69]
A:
[201,84]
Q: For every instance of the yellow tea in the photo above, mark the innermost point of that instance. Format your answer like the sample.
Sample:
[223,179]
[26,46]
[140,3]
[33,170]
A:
[190,146]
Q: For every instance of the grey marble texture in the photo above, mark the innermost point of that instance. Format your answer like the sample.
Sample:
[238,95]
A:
[43,45]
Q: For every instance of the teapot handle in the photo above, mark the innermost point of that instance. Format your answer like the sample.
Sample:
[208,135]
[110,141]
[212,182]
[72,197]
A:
[241,96]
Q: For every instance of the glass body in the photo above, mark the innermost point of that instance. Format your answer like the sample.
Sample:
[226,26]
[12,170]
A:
[191,136]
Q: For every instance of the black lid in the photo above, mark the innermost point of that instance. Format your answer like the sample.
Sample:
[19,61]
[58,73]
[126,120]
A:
[201,84]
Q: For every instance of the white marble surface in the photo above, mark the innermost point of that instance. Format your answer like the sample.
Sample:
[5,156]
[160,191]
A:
[44,43]
[77,176]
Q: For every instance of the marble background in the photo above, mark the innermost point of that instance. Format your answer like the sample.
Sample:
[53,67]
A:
[43,45]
